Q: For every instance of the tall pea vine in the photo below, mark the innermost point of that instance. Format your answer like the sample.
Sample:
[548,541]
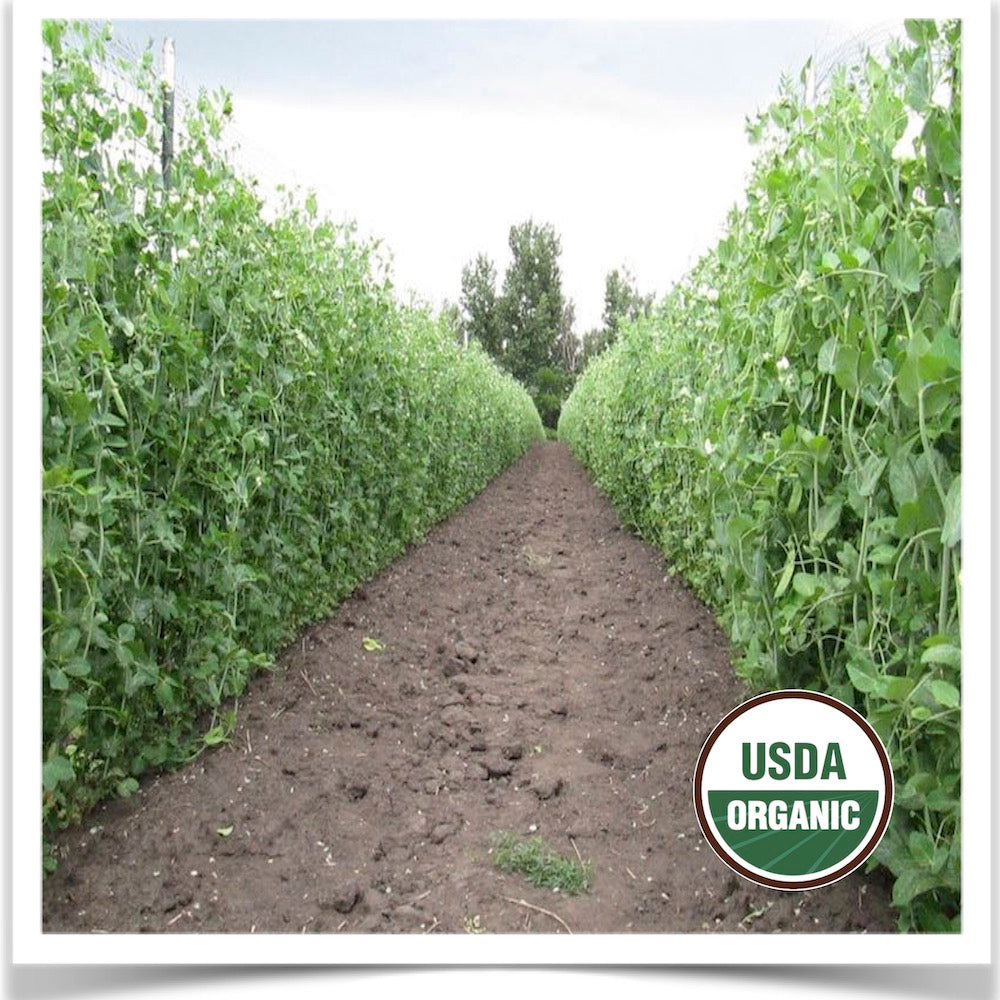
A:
[239,425]
[788,427]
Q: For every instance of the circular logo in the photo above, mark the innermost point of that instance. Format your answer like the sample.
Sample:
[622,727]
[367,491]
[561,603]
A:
[793,789]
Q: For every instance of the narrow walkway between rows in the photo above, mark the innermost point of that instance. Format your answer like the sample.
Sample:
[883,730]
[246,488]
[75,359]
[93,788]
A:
[531,668]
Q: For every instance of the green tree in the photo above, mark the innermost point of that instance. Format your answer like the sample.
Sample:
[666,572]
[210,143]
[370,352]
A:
[531,305]
[622,301]
[595,340]
[549,387]
[569,353]
[478,303]
[451,314]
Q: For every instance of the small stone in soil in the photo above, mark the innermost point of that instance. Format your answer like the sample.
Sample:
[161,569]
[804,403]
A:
[497,768]
[453,667]
[547,788]
[441,832]
[464,651]
[343,900]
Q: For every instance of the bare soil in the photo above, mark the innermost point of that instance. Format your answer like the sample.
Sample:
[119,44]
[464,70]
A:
[542,672]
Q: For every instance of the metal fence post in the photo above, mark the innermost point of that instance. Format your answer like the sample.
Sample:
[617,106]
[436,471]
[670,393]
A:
[167,153]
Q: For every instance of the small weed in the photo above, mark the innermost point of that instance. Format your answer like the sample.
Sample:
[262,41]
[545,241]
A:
[755,912]
[473,925]
[540,864]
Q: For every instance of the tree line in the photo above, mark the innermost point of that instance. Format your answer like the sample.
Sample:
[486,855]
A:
[527,323]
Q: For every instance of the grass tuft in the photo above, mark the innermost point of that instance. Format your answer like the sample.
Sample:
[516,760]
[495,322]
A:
[542,866]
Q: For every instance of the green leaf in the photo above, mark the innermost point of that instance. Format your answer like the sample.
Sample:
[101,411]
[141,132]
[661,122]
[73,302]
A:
[946,694]
[74,706]
[139,123]
[64,642]
[947,237]
[862,677]
[846,371]
[921,30]
[944,653]
[921,847]
[216,736]
[806,584]
[902,262]
[882,555]
[910,884]
[224,831]
[827,360]
[77,667]
[902,481]
[55,477]
[126,787]
[827,520]
[943,143]
[818,444]
[911,794]
[946,351]
[57,770]
[940,800]
[870,474]
[894,688]
[917,85]
[908,382]
[951,531]
[58,681]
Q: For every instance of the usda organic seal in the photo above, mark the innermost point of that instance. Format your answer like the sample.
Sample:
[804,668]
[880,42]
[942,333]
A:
[793,789]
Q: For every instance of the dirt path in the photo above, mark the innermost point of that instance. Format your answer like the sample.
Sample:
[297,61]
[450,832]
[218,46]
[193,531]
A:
[540,673]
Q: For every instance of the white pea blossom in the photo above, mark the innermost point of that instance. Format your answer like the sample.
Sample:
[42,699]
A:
[713,295]
[782,364]
[709,447]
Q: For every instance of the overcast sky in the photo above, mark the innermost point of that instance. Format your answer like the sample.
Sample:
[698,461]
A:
[437,136]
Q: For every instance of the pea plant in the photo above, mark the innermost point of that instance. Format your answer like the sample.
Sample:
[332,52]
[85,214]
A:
[240,424]
[787,427]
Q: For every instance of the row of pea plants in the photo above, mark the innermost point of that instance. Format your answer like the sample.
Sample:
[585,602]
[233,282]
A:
[240,424]
[787,428]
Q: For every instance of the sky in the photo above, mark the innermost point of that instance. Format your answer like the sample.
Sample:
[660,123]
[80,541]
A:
[437,136]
